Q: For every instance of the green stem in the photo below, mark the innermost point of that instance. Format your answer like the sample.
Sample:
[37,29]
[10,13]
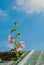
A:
[15,38]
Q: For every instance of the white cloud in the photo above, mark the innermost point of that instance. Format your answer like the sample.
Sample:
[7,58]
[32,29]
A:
[20,2]
[3,15]
[30,6]
[14,7]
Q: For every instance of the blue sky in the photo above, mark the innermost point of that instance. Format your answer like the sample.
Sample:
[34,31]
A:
[30,16]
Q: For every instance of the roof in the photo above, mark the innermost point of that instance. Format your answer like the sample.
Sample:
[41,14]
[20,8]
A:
[33,58]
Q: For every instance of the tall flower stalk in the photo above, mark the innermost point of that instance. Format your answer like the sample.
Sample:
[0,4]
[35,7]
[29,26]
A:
[17,46]
[17,34]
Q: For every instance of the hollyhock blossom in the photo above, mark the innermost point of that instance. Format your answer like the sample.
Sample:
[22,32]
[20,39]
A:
[22,44]
[19,48]
[11,39]
[16,49]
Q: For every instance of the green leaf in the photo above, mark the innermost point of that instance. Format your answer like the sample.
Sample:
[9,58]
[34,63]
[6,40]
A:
[16,24]
[16,44]
[14,58]
[13,30]
[18,34]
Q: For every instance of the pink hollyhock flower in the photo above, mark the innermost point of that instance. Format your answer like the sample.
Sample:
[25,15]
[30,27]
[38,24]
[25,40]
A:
[11,39]
[16,49]
[22,44]
[19,48]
